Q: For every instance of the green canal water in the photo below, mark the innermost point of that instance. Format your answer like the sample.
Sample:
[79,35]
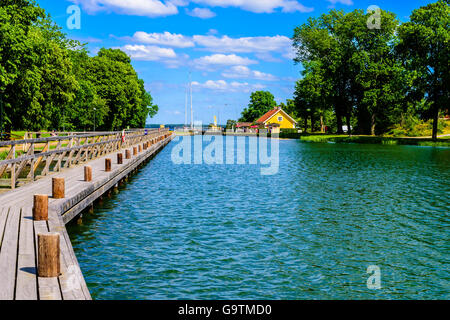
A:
[309,232]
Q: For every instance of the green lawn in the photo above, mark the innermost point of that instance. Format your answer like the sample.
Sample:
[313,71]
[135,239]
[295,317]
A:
[441,142]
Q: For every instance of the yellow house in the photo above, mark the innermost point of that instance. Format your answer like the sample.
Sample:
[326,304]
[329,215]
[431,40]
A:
[277,117]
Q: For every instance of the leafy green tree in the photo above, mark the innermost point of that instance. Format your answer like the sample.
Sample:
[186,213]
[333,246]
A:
[261,102]
[35,69]
[381,80]
[87,106]
[116,82]
[230,124]
[312,96]
[50,82]
[324,41]
[424,46]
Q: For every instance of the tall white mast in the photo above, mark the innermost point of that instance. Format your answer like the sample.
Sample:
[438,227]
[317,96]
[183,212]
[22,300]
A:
[185,108]
[192,112]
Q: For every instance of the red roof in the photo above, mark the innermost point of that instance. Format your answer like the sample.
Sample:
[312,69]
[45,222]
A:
[243,124]
[267,116]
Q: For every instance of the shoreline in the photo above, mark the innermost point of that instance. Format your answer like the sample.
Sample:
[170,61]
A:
[358,139]
[423,142]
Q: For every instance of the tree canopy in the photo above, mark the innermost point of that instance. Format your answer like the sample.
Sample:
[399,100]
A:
[260,103]
[48,81]
[424,46]
[372,77]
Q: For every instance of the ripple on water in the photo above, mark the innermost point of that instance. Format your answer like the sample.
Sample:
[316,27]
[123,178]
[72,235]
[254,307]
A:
[309,232]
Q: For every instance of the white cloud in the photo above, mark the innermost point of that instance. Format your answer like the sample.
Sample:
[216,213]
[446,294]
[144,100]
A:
[221,60]
[267,56]
[245,72]
[156,54]
[148,8]
[290,53]
[164,39]
[203,13]
[258,6]
[346,2]
[222,85]
[161,8]
[212,31]
[225,44]
[244,44]
[148,53]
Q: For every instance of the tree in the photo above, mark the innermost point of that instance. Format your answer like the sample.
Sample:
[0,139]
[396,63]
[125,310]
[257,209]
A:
[261,102]
[312,94]
[48,81]
[116,82]
[231,124]
[424,46]
[381,81]
[322,40]
[35,69]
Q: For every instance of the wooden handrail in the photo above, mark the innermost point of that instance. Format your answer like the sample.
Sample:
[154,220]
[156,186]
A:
[61,138]
[77,150]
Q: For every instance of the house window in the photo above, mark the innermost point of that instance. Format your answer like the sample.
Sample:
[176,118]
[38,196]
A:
[280,119]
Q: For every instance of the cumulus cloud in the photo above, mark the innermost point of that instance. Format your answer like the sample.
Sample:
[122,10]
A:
[258,6]
[222,85]
[346,2]
[161,8]
[244,44]
[156,54]
[202,13]
[148,8]
[148,53]
[163,39]
[221,60]
[245,72]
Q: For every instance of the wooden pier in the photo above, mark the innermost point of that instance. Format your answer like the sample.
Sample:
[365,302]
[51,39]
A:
[73,157]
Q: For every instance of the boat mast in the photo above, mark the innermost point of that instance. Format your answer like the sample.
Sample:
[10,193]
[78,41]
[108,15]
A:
[192,112]
[185,107]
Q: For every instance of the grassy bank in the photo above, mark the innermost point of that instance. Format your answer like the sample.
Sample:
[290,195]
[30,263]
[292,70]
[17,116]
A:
[441,142]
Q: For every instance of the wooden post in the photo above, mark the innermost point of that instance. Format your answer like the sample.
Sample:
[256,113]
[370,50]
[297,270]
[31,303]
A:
[127,154]
[108,165]
[40,207]
[140,148]
[120,158]
[49,255]
[134,151]
[88,173]
[59,188]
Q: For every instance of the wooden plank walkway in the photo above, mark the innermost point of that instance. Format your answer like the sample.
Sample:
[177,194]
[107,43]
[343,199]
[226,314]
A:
[18,231]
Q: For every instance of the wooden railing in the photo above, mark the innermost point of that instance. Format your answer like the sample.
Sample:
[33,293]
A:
[40,157]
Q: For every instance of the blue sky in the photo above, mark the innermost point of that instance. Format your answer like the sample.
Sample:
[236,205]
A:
[231,47]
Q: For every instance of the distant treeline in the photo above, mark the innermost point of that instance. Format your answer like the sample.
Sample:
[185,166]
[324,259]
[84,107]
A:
[372,73]
[49,82]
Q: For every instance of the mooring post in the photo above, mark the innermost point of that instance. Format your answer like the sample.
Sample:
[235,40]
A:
[120,158]
[134,151]
[58,188]
[40,207]
[88,173]
[49,255]
[108,165]
[140,148]
[127,154]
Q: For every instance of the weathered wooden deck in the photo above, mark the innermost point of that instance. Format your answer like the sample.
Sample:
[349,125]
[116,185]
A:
[18,231]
